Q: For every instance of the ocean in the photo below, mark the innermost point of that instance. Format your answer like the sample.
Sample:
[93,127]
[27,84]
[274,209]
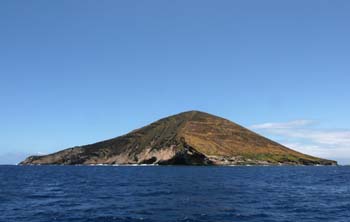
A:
[174,193]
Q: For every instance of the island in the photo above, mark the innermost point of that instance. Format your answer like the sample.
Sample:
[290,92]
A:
[188,138]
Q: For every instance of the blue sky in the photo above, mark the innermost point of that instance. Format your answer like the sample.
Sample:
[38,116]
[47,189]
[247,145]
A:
[76,72]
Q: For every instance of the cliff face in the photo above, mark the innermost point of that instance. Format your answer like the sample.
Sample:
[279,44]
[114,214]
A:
[189,138]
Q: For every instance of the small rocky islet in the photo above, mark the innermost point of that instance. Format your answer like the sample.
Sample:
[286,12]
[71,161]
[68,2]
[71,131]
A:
[188,138]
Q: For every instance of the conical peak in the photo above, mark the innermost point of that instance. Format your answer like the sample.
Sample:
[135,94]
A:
[190,112]
[193,115]
[176,123]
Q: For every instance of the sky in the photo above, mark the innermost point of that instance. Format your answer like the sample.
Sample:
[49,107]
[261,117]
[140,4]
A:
[77,72]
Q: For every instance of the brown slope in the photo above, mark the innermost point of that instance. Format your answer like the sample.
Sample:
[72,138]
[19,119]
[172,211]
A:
[193,138]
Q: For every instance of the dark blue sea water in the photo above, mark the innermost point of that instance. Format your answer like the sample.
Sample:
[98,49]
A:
[215,194]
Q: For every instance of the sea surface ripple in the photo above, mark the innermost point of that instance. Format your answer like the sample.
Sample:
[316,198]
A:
[174,193]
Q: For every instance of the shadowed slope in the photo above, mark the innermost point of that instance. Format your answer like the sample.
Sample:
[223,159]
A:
[189,138]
